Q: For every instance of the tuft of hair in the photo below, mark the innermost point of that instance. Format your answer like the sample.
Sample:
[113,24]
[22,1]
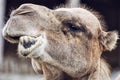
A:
[98,15]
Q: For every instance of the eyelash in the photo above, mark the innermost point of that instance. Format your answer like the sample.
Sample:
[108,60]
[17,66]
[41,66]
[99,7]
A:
[75,28]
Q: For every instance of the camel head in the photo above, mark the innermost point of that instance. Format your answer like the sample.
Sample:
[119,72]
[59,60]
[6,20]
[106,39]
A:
[70,39]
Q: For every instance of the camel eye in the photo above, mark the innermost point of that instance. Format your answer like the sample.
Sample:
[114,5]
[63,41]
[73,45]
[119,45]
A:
[74,28]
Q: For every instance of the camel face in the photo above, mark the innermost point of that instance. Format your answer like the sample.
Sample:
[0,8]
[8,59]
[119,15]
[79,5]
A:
[70,39]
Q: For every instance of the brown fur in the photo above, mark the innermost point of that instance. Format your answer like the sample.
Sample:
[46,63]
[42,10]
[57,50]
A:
[69,41]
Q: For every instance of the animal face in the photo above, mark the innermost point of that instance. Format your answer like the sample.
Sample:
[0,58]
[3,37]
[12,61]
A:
[64,37]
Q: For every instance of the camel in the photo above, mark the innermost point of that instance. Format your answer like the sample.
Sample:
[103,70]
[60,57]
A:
[63,43]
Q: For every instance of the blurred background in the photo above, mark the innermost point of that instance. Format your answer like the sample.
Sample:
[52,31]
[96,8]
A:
[12,67]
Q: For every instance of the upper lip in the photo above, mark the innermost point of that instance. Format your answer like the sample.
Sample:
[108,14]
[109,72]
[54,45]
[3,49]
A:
[12,39]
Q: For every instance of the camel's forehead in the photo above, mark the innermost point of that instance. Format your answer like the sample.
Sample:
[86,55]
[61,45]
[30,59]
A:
[85,17]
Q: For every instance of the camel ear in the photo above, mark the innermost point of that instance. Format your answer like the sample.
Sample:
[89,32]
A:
[108,40]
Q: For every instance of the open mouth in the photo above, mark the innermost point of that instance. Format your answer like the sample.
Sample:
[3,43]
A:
[15,37]
[26,45]
[12,39]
